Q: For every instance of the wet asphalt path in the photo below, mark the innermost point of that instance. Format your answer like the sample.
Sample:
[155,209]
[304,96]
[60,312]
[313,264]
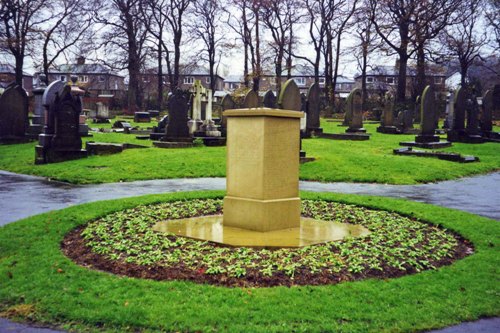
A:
[22,196]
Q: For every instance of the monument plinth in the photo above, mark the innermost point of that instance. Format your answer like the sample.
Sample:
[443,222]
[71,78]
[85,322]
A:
[262,169]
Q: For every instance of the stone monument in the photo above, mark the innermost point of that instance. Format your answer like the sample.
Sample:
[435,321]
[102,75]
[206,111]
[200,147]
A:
[38,120]
[61,139]
[354,107]
[312,110]
[262,175]
[269,100]
[387,119]
[14,121]
[465,107]
[177,134]
[427,137]
[251,100]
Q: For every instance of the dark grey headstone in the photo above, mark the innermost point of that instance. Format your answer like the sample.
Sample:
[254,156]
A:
[388,111]
[269,100]
[227,103]
[178,108]
[313,106]
[472,107]
[66,110]
[251,100]
[354,107]
[486,116]
[289,98]
[428,112]
[54,89]
[459,110]
[416,113]
[14,120]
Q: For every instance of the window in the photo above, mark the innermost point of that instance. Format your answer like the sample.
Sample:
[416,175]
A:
[389,80]
[322,80]
[438,80]
[62,78]
[207,79]
[189,80]
[83,78]
[369,80]
[301,81]
[102,78]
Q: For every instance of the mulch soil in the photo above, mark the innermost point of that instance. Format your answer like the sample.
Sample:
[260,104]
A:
[74,247]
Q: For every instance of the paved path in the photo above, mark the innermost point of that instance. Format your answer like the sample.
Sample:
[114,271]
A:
[22,196]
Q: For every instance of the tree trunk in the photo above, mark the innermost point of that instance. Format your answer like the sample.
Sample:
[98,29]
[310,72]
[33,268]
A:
[420,84]
[19,69]
[160,76]
[401,91]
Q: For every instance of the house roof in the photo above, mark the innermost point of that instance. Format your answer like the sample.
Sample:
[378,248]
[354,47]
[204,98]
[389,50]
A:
[10,69]
[234,78]
[82,69]
[184,71]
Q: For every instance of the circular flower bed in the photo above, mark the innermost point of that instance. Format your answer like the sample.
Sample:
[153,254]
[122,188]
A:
[125,243]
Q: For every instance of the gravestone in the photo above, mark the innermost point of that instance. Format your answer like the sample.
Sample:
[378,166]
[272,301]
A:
[427,137]
[251,100]
[313,110]
[227,103]
[269,100]
[196,121]
[62,141]
[102,113]
[450,110]
[159,131]
[83,128]
[38,120]
[177,134]
[387,119]
[289,99]
[404,121]
[416,113]
[465,107]
[495,115]
[14,121]
[354,107]
[142,117]
[486,117]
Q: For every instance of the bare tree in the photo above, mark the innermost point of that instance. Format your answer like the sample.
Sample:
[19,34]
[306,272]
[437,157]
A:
[175,14]
[69,24]
[20,19]
[279,18]
[367,43]
[156,11]
[464,41]
[125,40]
[206,28]
[492,15]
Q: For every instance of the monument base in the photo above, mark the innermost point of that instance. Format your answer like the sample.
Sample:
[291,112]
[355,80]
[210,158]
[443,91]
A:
[261,215]
[45,155]
[388,130]
[462,136]
[172,144]
[427,145]
[454,157]
[345,136]
[355,130]
[214,141]
[426,138]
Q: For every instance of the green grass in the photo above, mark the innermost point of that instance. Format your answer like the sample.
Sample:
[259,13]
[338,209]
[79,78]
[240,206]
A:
[35,275]
[349,161]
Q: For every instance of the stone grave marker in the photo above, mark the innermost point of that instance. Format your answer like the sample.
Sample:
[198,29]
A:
[64,143]
[177,134]
[142,117]
[427,137]
[416,113]
[313,110]
[355,109]
[227,103]
[14,121]
[289,97]
[251,100]
[387,120]
[450,111]
[465,107]
[159,131]
[472,127]
[269,100]
[38,120]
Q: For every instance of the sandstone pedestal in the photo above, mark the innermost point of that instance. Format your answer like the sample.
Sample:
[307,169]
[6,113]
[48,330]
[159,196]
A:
[262,169]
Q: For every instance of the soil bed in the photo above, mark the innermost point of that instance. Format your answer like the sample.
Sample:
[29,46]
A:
[122,243]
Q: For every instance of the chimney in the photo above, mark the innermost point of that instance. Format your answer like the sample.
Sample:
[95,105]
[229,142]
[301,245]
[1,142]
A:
[80,60]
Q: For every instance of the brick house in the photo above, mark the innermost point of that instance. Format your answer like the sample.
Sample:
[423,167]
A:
[96,79]
[8,75]
[382,79]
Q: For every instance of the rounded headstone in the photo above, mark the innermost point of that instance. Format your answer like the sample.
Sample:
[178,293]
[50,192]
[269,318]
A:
[55,88]
[289,98]
[251,100]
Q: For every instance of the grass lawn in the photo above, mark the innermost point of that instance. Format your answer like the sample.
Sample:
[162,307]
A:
[349,161]
[39,283]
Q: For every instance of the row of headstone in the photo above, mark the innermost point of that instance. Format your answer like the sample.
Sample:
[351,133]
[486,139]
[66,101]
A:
[60,140]
[14,121]
[466,121]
